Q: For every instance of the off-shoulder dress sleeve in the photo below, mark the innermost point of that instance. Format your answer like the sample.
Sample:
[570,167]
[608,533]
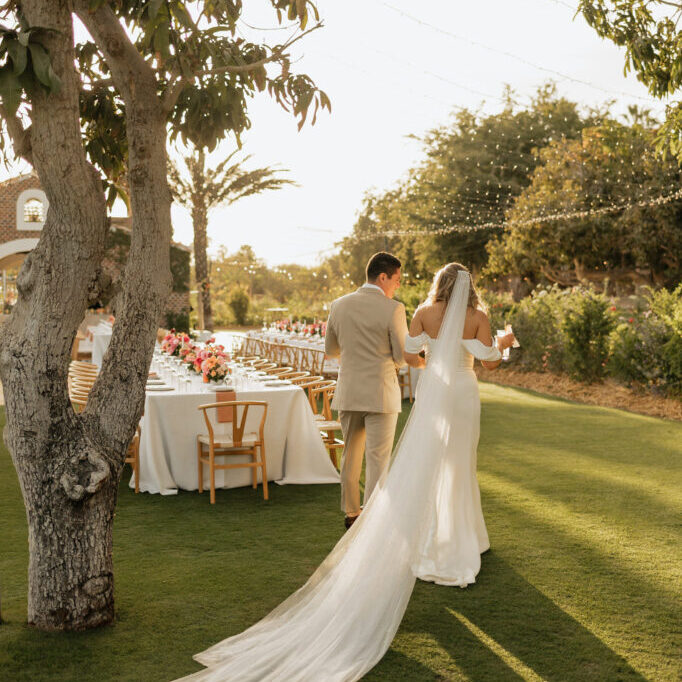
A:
[480,351]
[413,344]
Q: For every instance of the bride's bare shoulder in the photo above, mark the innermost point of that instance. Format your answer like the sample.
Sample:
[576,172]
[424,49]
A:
[477,314]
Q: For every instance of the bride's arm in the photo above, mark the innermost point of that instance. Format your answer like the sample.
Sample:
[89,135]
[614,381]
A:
[484,335]
[416,328]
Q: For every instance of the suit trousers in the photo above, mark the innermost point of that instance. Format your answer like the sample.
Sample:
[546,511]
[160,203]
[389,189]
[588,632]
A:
[371,433]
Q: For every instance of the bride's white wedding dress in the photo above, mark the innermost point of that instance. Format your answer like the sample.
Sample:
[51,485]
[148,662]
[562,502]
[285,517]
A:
[423,520]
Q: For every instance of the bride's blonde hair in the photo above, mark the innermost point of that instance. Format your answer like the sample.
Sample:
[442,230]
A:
[444,281]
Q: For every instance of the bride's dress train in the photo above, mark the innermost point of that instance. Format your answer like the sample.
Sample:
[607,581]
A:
[423,520]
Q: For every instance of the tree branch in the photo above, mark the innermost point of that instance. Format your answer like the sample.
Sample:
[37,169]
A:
[173,91]
[20,136]
[123,59]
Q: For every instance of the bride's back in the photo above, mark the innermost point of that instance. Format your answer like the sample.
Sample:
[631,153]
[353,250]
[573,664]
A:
[430,315]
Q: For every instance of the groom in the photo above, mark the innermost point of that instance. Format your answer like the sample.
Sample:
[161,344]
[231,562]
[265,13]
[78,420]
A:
[367,330]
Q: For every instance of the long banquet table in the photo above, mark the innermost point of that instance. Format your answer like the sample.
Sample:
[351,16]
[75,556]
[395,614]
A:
[331,365]
[293,447]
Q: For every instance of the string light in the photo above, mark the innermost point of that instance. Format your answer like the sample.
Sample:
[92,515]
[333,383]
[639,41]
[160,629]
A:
[568,215]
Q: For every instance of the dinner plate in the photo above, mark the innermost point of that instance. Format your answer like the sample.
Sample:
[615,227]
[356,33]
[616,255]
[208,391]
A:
[160,388]
[220,387]
[277,382]
[155,382]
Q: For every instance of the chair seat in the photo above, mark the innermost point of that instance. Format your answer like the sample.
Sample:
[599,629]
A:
[225,441]
[328,425]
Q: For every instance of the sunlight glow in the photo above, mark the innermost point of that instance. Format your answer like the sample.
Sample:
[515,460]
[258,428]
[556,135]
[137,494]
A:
[517,665]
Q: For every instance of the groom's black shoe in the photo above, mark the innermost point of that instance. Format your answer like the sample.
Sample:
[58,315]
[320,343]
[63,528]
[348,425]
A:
[349,521]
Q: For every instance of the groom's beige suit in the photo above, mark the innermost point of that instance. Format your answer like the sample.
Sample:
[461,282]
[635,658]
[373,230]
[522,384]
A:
[367,330]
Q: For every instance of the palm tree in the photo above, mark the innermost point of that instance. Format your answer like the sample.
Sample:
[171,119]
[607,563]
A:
[200,189]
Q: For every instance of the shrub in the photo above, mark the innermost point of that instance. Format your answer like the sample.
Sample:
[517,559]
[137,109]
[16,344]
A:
[587,327]
[499,308]
[538,324]
[412,295]
[239,303]
[636,351]
[647,348]
[178,321]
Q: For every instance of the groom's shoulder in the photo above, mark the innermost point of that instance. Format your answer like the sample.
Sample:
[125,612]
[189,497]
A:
[343,300]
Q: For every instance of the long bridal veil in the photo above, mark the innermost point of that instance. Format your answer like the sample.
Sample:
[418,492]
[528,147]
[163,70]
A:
[341,622]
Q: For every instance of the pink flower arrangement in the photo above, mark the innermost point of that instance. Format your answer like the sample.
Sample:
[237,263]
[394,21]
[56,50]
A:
[214,368]
[317,328]
[210,362]
[173,342]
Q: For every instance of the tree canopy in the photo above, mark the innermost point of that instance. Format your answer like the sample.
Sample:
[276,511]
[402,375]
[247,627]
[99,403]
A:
[648,30]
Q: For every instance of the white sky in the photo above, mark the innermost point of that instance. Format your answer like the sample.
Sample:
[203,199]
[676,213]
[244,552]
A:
[389,76]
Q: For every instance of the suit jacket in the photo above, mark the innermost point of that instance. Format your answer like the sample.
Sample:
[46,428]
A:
[367,330]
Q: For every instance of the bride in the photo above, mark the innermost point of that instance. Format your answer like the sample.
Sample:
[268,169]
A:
[423,520]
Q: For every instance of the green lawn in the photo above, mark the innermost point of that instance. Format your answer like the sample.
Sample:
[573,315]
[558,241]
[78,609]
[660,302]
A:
[583,580]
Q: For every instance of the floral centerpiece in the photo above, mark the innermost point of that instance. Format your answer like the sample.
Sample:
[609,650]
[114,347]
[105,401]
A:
[214,368]
[174,343]
[316,329]
[210,362]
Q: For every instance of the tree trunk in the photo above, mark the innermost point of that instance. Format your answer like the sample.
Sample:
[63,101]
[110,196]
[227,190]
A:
[67,475]
[69,465]
[200,224]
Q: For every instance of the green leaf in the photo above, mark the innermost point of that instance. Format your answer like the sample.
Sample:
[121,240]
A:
[41,63]
[10,89]
[162,39]
[153,8]
[23,37]
[18,55]
[182,15]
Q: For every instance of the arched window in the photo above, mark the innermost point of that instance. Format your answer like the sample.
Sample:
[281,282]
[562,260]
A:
[31,210]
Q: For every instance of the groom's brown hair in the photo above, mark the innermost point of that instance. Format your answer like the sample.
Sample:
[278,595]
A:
[381,262]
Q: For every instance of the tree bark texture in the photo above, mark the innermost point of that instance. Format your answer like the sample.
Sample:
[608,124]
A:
[64,472]
[69,465]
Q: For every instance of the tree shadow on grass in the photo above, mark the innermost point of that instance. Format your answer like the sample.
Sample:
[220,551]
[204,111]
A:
[501,628]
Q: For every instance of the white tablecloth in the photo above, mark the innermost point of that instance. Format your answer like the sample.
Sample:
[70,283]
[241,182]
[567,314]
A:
[101,337]
[168,453]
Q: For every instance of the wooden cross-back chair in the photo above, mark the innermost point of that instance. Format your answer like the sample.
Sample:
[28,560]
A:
[298,377]
[312,360]
[325,422]
[212,445]
[405,381]
[312,384]
[266,351]
[279,371]
[250,346]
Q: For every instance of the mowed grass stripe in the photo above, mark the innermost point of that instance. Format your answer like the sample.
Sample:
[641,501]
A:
[565,593]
